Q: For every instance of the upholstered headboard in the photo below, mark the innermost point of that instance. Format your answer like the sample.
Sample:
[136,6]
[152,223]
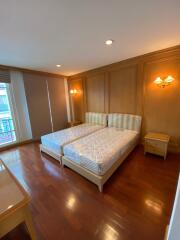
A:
[125,121]
[96,118]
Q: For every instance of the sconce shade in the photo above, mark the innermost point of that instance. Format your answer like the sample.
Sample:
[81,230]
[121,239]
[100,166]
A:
[163,82]
[74,91]
[169,79]
[158,80]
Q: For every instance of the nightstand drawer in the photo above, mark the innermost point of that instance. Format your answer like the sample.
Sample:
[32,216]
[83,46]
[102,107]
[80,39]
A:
[156,143]
[155,147]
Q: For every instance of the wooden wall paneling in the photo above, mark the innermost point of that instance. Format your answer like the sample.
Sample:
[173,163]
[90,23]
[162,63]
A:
[85,107]
[140,88]
[106,92]
[95,93]
[38,105]
[161,105]
[129,88]
[57,100]
[123,90]
[76,100]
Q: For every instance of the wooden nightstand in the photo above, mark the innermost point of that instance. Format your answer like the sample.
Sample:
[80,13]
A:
[156,143]
[74,123]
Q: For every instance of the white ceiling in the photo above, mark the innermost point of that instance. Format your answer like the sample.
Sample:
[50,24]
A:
[38,34]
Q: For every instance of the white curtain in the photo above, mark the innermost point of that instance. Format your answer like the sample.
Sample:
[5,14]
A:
[20,107]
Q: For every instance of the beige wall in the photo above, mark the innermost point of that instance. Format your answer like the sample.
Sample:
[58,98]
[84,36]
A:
[39,106]
[128,87]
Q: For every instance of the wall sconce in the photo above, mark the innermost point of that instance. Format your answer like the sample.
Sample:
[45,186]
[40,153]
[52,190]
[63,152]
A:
[163,82]
[74,91]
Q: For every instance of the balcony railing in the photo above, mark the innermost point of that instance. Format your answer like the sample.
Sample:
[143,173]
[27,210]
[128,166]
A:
[7,131]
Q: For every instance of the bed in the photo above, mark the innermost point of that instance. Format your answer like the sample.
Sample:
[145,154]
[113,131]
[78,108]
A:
[98,155]
[53,143]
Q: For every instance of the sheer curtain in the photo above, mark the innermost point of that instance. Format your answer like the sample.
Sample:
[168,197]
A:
[19,104]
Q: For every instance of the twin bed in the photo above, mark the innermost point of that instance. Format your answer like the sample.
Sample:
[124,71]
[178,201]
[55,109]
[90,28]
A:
[98,147]
[53,143]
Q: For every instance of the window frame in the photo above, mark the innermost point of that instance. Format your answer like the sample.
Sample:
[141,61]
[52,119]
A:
[13,115]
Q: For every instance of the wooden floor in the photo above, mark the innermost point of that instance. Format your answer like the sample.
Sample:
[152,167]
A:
[136,203]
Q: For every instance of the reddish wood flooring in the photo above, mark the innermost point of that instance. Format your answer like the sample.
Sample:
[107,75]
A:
[136,203]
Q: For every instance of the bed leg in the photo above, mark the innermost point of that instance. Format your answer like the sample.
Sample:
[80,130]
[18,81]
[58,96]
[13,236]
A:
[100,188]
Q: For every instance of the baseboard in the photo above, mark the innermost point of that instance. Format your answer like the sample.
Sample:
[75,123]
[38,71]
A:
[17,144]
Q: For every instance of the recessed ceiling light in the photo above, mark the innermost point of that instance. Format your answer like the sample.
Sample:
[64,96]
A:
[109,42]
[58,65]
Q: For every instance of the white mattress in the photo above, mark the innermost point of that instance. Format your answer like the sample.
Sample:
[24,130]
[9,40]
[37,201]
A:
[98,151]
[55,141]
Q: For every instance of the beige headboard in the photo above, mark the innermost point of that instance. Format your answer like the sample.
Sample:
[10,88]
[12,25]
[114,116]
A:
[125,121]
[96,118]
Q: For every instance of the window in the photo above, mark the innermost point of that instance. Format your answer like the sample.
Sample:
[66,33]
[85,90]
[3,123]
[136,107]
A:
[7,124]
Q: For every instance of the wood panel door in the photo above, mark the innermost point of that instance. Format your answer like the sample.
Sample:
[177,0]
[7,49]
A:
[57,102]
[38,104]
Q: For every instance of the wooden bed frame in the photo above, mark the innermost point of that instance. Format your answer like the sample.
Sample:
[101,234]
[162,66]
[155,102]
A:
[97,179]
[51,153]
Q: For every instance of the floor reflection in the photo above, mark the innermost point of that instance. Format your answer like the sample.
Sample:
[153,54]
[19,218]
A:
[51,169]
[110,233]
[154,206]
[71,202]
